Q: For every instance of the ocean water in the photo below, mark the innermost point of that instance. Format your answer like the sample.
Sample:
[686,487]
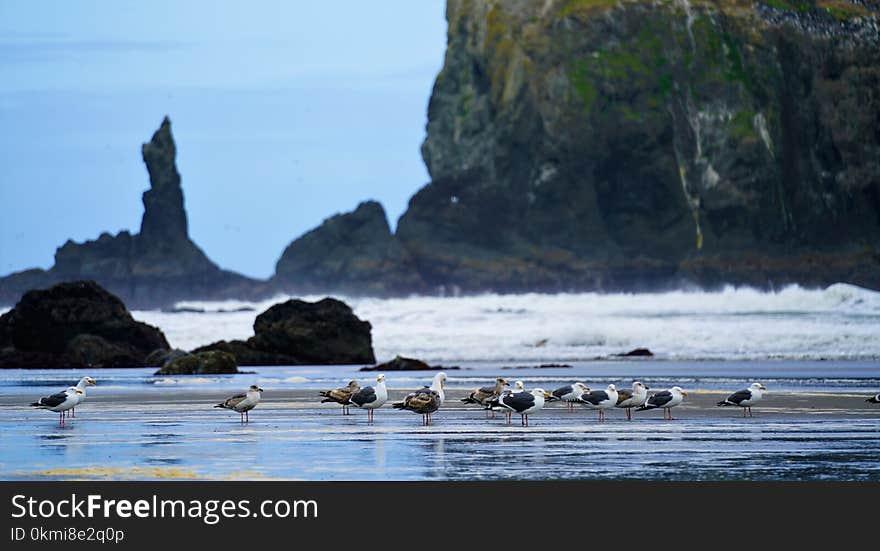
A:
[841,322]
[817,351]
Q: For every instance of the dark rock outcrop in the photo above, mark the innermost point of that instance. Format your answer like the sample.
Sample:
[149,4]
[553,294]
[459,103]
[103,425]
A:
[578,145]
[636,353]
[202,363]
[153,268]
[298,332]
[353,253]
[73,325]
[399,363]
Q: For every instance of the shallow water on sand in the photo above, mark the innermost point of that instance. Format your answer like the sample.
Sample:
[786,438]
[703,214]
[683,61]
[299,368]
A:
[809,428]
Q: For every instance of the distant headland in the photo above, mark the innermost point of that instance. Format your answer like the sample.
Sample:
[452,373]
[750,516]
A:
[583,146]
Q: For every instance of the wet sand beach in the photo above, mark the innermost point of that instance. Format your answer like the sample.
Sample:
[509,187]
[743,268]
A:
[177,434]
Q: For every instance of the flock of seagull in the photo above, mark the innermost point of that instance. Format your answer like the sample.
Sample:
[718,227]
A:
[428,399]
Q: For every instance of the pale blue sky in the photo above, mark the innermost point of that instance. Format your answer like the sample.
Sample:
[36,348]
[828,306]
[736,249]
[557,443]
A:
[284,113]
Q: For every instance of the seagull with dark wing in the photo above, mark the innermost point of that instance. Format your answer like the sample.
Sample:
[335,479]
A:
[59,403]
[484,395]
[569,394]
[524,403]
[634,398]
[745,398]
[370,398]
[341,395]
[875,399]
[243,403]
[600,399]
[495,403]
[665,399]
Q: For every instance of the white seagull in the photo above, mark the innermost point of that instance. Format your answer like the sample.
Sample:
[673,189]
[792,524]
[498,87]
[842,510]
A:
[243,403]
[745,398]
[59,403]
[600,399]
[524,403]
[634,398]
[438,384]
[569,394]
[82,384]
[370,398]
[666,399]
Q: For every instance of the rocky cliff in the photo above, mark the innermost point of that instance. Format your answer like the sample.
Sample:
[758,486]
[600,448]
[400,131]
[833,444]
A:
[155,267]
[594,144]
[351,253]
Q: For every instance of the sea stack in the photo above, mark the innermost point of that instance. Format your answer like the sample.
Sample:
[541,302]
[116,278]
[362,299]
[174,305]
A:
[153,268]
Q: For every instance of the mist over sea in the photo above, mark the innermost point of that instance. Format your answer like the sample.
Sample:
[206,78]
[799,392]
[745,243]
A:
[841,322]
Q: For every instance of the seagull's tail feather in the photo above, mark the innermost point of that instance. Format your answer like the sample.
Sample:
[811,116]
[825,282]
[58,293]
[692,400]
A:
[645,407]
[36,404]
[470,400]
[330,400]
[553,399]
[399,405]
[222,406]
[723,403]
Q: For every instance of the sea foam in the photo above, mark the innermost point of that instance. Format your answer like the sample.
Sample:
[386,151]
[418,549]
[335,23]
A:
[839,322]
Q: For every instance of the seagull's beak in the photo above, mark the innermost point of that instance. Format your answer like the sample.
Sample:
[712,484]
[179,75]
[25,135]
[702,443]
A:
[260,389]
[442,383]
[78,391]
[763,387]
[683,393]
[546,394]
[92,382]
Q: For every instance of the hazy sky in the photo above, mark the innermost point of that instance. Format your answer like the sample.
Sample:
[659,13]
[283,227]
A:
[284,113]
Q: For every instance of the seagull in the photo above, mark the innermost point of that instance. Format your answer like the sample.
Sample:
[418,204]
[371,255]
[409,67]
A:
[495,405]
[875,399]
[485,394]
[632,398]
[600,399]
[666,399]
[243,403]
[424,401]
[82,384]
[341,395]
[745,398]
[569,393]
[438,384]
[524,403]
[370,398]
[60,402]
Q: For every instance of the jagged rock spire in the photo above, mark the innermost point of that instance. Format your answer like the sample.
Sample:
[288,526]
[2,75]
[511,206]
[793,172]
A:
[164,214]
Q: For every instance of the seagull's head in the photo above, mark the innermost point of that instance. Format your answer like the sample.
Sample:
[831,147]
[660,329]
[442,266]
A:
[758,386]
[612,388]
[639,386]
[502,381]
[353,385]
[89,381]
[255,388]
[380,379]
[582,386]
[679,390]
[74,390]
[440,379]
[519,386]
[540,392]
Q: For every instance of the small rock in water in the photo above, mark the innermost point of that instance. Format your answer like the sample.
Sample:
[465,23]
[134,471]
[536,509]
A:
[201,363]
[400,363]
[636,352]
